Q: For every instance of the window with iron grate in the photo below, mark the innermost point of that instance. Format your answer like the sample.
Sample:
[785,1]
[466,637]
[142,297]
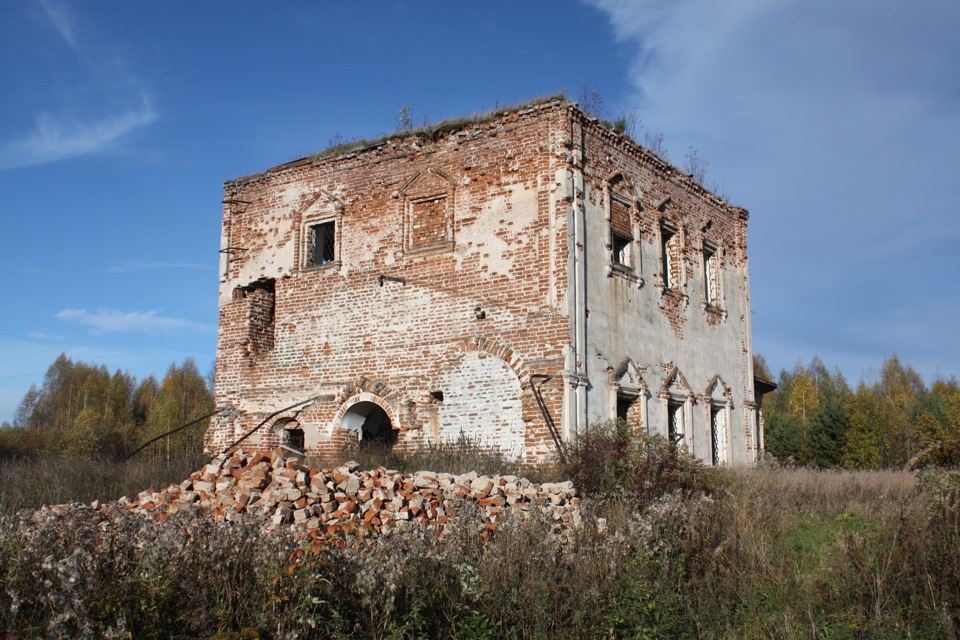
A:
[718,434]
[322,243]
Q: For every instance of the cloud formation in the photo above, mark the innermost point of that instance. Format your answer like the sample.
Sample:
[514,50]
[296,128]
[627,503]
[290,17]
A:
[101,87]
[61,20]
[57,137]
[106,321]
[838,126]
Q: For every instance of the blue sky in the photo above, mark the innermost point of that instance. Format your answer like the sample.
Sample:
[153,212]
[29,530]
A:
[837,124]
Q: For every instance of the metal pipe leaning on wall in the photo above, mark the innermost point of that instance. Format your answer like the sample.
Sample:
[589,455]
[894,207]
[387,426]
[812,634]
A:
[173,431]
[267,419]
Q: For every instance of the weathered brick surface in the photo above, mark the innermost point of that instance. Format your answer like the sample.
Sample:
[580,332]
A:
[454,279]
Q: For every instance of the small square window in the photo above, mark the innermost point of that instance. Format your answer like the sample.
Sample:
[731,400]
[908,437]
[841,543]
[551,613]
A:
[620,249]
[322,243]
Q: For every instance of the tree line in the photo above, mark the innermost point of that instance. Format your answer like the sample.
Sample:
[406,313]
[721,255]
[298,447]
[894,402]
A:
[815,418]
[82,411]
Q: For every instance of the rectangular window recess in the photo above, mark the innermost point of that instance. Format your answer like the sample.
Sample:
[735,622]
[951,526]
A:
[675,422]
[620,249]
[708,288]
[323,243]
[667,258]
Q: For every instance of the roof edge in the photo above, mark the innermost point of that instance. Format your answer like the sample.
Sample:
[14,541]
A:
[434,130]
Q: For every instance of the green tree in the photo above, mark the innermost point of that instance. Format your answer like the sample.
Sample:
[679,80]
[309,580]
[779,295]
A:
[829,423]
[862,447]
[898,393]
[83,411]
[183,396]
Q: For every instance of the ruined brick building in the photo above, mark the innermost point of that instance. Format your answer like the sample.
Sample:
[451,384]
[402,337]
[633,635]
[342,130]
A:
[510,279]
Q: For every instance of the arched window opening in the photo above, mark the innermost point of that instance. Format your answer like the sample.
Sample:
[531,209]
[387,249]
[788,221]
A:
[291,436]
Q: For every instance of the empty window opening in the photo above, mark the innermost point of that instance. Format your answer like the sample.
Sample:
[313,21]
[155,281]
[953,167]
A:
[322,242]
[620,249]
[291,435]
[675,422]
[260,297]
[629,409]
[621,230]
[711,275]
[437,395]
[708,292]
[718,436]
[371,424]
[293,439]
[669,260]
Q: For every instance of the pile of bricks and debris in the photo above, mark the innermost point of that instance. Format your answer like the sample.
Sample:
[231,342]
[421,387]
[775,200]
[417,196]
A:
[331,502]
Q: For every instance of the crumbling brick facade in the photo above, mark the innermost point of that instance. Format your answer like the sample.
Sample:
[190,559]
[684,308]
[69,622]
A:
[430,286]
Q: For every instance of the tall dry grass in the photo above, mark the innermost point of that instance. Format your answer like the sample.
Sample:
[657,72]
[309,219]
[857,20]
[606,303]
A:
[726,553]
[804,491]
[29,484]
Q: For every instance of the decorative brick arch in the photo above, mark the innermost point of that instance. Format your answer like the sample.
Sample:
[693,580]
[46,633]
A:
[725,391]
[675,379]
[307,204]
[289,415]
[496,348]
[364,396]
[363,384]
[617,179]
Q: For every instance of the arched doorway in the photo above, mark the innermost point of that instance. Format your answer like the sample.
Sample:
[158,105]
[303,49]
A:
[371,424]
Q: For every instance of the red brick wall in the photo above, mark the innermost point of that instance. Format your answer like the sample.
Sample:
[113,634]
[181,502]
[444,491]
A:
[486,283]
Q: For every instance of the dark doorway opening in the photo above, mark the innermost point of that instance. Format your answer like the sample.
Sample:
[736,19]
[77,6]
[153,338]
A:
[372,423]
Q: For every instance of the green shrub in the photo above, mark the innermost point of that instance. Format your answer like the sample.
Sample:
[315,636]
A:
[614,458]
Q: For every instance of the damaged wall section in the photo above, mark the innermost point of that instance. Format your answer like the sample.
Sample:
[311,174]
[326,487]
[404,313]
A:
[430,275]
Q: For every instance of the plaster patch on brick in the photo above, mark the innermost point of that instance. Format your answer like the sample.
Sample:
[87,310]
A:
[482,401]
[270,249]
[496,234]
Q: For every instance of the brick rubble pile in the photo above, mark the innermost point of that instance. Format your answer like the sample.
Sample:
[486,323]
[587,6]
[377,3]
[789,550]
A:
[325,502]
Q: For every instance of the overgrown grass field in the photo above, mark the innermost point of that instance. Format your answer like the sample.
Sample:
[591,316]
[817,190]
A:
[669,550]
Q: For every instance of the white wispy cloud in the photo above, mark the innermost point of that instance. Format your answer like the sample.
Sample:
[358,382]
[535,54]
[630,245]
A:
[61,20]
[40,335]
[112,321]
[133,265]
[107,104]
[57,137]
